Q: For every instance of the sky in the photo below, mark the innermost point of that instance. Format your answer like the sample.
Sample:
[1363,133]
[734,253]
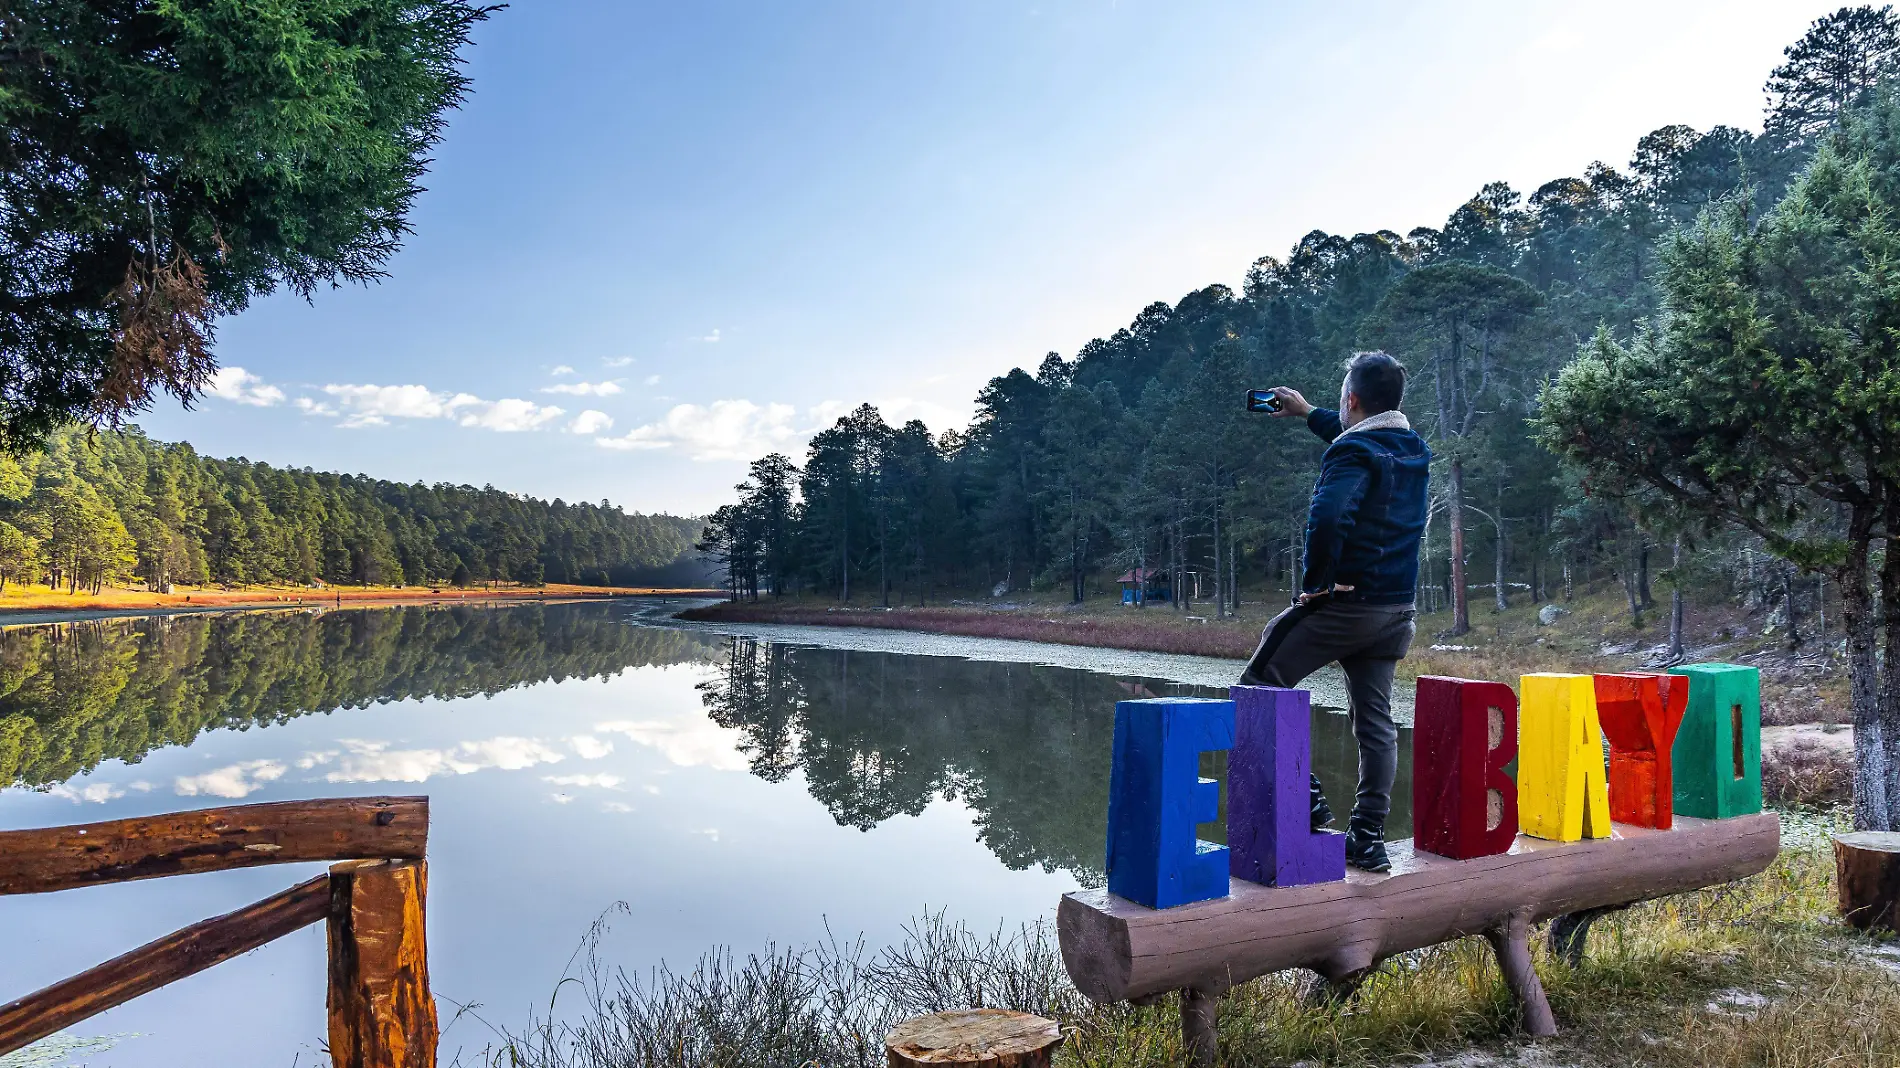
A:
[661,240]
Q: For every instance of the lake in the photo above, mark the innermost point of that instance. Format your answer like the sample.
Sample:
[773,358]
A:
[733,786]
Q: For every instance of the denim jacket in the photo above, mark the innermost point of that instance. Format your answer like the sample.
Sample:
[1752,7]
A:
[1368,512]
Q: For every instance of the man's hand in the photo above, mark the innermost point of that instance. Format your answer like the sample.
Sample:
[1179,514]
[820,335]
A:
[1309,598]
[1292,405]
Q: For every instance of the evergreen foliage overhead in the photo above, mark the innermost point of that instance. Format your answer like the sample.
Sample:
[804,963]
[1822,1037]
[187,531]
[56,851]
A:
[162,164]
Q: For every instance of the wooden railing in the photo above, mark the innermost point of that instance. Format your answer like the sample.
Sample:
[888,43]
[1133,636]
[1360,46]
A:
[381,1014]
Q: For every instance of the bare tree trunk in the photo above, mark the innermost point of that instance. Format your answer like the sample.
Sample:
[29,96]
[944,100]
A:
[1873,692]
[1570,586]
[1877,751]
[1642,575]
[1675,600]
[1220,590]
[1497,570]
[1455,507]
[1629,590]
[1233,574]
[1787,598]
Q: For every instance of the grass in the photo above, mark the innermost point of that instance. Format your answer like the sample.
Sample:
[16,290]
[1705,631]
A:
[1757,973]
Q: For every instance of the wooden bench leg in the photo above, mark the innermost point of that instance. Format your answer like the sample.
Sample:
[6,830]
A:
[1511,941]
[381,1012]
[1200,1020]
[1570,933]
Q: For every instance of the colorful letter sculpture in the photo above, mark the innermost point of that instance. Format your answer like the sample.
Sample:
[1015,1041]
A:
[1718,750]
[1561,792]
[1640,713]
[1156,796]
[1463,734]
[1269,822]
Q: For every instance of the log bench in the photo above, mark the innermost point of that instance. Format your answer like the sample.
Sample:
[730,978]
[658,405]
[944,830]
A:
[1116,950]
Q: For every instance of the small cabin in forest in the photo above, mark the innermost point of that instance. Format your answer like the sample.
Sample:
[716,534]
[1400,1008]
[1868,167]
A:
[1144,584]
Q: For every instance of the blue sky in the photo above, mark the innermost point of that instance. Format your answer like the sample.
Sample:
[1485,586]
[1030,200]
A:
[662,239]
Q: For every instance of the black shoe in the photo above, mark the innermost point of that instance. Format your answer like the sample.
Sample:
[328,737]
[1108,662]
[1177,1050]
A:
[1365,845]
[1322,812]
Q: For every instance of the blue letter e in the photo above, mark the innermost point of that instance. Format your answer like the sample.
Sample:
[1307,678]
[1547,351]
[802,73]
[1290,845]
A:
[1156,796]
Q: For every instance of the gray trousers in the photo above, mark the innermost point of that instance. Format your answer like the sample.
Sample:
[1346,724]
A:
[1368,641]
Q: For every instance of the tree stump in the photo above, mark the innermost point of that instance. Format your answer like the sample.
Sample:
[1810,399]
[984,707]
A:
[990,1038]
[1867,874]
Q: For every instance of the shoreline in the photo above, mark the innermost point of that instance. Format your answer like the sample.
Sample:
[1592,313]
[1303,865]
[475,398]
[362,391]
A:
[1231,639]
[40,608]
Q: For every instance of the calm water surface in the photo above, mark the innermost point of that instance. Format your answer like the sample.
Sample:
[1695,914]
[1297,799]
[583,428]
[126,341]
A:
[732,790]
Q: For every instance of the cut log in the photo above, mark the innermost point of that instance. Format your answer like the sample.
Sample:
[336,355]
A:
[1867,875]
[155,964]
[967,1038]
[213,839]
[1116,950]
[381,1012]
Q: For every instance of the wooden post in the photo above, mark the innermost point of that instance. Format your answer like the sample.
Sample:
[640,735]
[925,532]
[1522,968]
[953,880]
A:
[381,1012]
[1510,940]
[969,1038]
[1867,874]
[1200,1026]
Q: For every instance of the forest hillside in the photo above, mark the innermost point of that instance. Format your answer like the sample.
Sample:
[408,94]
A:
[100,508]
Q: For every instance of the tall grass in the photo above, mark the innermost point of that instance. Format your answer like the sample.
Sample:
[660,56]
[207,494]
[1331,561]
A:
[1757,973]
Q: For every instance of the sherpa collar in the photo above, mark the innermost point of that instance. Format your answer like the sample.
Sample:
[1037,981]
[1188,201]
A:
[1392,420]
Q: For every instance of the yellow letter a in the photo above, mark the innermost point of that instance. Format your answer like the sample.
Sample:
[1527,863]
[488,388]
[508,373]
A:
[1561,791]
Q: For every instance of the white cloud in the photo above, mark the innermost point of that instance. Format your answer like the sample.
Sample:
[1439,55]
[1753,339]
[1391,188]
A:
[585,389]
[509,415]
[723,430]
[372,761]
[97,793]
[560,799]
[235,780]
[691,743]
[709,339]
[588,747]
[603,781]
[616,806]
[591,422]
[371,405]
[561,369]
[239,386]
[311,407]
[617,361]
[652,380]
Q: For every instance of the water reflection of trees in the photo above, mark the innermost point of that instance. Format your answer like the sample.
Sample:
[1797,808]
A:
[76,694]
[1025,747]
[878,735]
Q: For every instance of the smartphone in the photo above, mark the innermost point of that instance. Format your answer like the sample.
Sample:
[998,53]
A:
[1262,400]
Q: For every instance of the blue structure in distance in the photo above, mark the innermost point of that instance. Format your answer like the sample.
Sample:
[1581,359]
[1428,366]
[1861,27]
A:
[1156,797]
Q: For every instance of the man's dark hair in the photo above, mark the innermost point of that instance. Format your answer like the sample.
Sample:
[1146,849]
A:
[1377,380]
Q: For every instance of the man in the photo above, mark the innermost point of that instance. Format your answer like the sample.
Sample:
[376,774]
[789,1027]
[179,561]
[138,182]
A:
[1356,593]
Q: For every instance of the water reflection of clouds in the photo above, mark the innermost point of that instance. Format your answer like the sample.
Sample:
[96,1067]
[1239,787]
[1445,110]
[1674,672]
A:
[374,761]
[696,742]
[588,747]
[602,781]
[97,793]
[234,780]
